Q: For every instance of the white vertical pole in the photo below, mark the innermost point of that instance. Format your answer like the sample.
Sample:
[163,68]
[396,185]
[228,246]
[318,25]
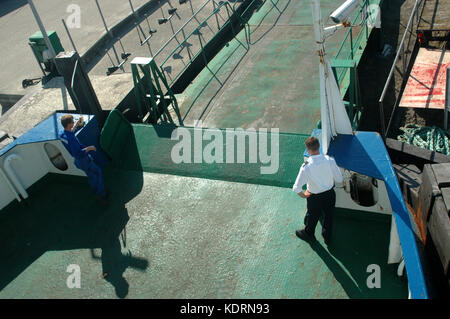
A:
[68,33]
[447,98]
[109,33]
[320,49]
[41,27]
[334,118]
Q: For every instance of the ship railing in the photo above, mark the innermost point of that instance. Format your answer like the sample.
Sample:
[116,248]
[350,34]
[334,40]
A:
[196,32]
[401,54]
[181,29]
[348,49]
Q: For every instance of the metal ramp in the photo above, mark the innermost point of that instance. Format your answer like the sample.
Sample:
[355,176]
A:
[153,94]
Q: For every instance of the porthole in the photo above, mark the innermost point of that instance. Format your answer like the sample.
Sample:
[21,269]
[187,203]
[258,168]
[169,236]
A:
[55,156]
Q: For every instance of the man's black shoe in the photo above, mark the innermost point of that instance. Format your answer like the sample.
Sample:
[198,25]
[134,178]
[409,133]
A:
[302,234]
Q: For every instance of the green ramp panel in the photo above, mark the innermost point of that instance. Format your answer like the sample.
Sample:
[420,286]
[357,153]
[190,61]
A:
[148,148]
[117,140]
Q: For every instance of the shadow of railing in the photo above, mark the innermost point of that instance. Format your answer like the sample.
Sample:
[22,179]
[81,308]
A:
[221,83]
[202,43]
[258,4]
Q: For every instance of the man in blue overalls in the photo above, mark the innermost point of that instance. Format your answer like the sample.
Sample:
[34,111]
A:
[83,160]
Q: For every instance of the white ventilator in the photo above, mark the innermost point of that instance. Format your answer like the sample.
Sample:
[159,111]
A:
[333,115]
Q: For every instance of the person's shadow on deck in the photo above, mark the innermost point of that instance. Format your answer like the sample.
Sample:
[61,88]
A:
[355,245]
[112,240]
[115,262]
[61,215]
[350,287]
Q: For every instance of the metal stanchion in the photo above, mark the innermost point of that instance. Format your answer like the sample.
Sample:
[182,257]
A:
[42,28]
[124,55]
[192,9]
[138,27]
[107,30]
[171,12]
[68,34]
[44,34]
[71,41]
[447,98]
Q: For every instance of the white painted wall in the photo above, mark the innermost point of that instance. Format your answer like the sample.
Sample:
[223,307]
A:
[344,199]
[33,165]
[6,194]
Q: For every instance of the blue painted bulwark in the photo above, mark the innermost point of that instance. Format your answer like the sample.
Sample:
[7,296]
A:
[90,135]
[50,128]
[366,154]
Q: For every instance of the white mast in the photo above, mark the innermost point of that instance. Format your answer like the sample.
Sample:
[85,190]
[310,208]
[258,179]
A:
[334,117]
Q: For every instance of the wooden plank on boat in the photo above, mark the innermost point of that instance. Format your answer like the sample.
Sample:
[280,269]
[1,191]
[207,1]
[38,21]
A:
[410,179]
[418,152]
[442,174]
[439,228]
[446,197]
[427,193]
[426,83]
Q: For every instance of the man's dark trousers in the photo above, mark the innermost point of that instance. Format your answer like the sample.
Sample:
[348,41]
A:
[317,204]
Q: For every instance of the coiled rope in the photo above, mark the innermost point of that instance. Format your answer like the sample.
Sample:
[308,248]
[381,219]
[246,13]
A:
[431,138]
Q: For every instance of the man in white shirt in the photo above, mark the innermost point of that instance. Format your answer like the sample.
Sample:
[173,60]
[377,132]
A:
[319,173]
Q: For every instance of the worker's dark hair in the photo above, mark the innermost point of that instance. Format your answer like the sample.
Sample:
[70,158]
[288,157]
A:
[312,143]
[66,120]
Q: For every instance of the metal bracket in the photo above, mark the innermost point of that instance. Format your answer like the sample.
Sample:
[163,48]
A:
[171,13]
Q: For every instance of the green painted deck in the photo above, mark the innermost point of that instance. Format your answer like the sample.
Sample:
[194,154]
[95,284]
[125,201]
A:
[203,230]
[267,79]
[151,146]
[167,236]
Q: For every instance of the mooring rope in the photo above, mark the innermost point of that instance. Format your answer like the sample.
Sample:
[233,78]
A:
[431,138]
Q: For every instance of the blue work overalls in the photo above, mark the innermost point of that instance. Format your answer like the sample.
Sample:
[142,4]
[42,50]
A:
[84,161]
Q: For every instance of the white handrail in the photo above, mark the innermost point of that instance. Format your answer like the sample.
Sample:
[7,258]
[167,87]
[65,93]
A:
[10,186]
[414,12]
[12,175]
[181,28]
